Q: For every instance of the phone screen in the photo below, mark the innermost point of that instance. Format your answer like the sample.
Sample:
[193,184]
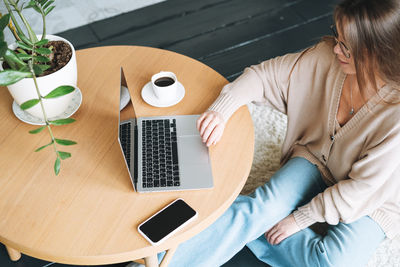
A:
[167,220]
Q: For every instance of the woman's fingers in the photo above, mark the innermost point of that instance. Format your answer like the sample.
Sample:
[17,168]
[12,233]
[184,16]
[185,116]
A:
[280,238]
[274,237]
[211,126]
[270,233]
[216,131]
[215,135]
[205,124]
[282,230]
[209,130]
[200,120]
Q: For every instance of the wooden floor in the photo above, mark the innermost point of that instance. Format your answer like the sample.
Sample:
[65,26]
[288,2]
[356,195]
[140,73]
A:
[227,35]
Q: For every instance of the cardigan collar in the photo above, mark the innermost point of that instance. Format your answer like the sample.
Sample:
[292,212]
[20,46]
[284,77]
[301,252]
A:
[368,107]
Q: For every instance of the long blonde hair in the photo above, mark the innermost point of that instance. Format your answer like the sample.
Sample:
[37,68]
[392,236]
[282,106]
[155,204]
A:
[372,32]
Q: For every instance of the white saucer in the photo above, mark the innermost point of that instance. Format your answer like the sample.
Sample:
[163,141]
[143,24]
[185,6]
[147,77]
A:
[149,97]
[125,97]
[71,109]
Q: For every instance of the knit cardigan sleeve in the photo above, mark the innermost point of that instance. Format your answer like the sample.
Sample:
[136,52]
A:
[265,84]
[371,182]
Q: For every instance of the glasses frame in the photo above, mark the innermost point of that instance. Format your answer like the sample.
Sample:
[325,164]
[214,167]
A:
[343,47]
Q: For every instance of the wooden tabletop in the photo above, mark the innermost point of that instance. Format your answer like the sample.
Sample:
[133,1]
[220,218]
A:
[89,213]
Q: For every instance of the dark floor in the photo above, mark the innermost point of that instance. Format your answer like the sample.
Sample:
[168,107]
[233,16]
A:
[227,35]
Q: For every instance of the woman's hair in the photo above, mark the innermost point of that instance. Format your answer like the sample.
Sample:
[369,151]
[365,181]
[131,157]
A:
[371,29]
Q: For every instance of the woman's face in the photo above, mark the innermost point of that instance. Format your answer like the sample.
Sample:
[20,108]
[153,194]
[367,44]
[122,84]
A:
[347,64]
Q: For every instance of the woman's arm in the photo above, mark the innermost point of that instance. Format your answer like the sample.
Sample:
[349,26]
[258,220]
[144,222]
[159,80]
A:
[372,181]
[266,83]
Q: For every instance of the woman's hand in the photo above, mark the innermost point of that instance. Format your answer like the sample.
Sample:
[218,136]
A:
[282,230]
[211,126]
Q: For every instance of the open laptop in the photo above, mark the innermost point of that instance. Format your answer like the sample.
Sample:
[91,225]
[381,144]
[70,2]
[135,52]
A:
[163,153]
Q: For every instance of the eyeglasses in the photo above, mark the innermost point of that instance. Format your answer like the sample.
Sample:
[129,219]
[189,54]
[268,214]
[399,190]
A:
[343,47]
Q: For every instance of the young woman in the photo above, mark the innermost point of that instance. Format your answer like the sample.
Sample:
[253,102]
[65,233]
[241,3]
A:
[340,162]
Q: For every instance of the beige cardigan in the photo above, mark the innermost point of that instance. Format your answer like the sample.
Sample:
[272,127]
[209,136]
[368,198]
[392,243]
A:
[360,162]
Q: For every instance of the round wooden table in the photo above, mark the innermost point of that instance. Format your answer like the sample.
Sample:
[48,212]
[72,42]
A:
[89,213]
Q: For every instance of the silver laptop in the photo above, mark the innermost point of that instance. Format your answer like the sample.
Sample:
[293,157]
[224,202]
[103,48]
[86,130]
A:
[163,153]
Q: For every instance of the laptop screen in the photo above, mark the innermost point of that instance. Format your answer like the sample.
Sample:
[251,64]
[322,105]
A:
[127,111]
[127,130]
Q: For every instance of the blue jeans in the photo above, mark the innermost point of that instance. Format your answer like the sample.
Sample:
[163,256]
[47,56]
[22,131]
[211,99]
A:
[249,217]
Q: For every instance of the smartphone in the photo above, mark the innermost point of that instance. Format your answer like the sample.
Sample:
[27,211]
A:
[167,221]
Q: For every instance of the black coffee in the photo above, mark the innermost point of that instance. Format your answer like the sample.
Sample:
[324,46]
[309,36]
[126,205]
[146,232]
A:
[164,81]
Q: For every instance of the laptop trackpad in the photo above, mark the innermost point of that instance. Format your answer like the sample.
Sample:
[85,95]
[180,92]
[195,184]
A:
[192,150]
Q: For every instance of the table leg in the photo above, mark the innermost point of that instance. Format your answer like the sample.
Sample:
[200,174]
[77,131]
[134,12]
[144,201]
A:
[151,261]
[168,257]
[13,254]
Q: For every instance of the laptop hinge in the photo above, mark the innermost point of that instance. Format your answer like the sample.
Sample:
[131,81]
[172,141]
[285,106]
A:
[136,157]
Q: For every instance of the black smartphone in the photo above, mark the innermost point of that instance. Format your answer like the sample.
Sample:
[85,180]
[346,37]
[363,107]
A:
[167,221]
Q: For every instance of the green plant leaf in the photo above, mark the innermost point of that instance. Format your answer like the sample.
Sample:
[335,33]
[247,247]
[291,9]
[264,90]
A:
[41,59]
[48,4]
[13,60]
[1,36]
[43,51]
[31,4]
[8,77]
[26,41]
[24,46]
[24,57]
[42,42]
[3,48]
[37,69]
[29,104]
[60,91]
[62,121]
[64,155]
[37,9]
[43,67]
[4,20]
[49,10]
[65,142]
[25,69]
[57,166]
[40,148]
[21,51]
[38,130]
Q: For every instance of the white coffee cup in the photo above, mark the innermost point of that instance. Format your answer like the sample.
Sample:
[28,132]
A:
[164,85]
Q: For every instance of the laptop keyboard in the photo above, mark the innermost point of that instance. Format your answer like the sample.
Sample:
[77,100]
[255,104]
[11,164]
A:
[125,138]
[159,154]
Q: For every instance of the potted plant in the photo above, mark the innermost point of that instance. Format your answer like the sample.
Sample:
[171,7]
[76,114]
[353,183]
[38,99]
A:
[39,79]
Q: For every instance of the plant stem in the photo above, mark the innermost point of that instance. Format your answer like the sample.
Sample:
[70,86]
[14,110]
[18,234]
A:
[44,23]
[42,106]
[31,33]
[19,30]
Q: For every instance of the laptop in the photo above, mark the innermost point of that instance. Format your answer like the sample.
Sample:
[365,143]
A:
[163,153]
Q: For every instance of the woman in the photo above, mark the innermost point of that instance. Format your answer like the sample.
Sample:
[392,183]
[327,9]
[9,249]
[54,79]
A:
[340,162]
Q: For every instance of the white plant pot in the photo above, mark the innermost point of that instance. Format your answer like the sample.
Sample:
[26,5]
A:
[25,89]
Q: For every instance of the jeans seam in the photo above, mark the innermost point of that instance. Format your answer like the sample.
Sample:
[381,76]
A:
[322,255]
